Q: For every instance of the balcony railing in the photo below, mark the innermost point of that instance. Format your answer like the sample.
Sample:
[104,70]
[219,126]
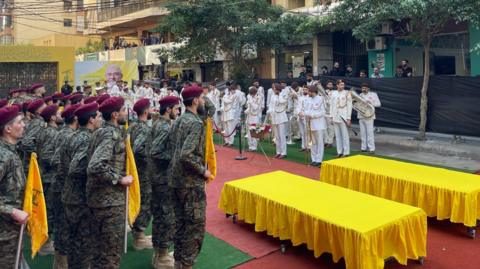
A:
[128,8]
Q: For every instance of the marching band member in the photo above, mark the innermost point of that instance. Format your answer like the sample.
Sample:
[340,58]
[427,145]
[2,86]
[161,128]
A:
[300,113]
[366,124]
[214,96]
[329,131]
[278,115]
[253,113]
[340,114]
[228,115]
[315,116]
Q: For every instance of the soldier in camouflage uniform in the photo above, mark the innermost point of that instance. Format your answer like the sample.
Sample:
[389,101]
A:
[28,143]
[78,215]
[163,226]
[37,91]
[106,185]
[187,176]
[45,150]
[12,185]
[209,105]
[138,137]
[61,163]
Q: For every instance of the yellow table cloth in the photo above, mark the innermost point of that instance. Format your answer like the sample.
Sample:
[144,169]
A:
[363,229]
[442,193]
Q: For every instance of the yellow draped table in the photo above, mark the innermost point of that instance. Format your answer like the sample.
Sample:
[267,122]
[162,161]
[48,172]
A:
[363,229]
[442,193]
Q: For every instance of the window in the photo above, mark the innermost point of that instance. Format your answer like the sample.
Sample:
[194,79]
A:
[67,22]
[67,4]
[79,4]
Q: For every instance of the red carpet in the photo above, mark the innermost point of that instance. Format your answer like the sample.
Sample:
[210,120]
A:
[448,246]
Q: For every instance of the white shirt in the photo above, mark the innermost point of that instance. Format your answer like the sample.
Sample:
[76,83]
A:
[269,96]
[315,109]
[115,91]
[371,98]
[254,109]
[214,96]
[301,107]
[229,102]
[145,93]
[242,99]
[340,106]
[278,109]
[376,76]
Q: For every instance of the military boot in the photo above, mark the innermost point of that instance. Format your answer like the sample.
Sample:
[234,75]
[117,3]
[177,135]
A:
[162,259]
[60,261]
[47,248]
[140,241]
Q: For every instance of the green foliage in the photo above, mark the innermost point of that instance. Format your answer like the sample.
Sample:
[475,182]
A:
[91,47]
[234,27]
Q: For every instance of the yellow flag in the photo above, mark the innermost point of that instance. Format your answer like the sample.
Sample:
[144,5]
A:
[210,156]
[134,189]
[34,205]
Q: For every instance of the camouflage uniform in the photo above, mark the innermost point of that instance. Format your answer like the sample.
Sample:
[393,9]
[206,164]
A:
[45,151]
[61,162]
[186,171]
[138,137]
[28,143]
[209,109]
[12,185]
[78,217]
[163,226]
[105,195]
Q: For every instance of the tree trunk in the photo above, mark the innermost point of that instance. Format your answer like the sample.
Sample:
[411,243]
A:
[424,99]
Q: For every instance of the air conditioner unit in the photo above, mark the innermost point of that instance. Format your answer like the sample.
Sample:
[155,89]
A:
[378,43]
[387,28]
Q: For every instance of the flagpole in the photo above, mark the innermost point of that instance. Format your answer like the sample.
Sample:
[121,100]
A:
[125,239]
[19,247]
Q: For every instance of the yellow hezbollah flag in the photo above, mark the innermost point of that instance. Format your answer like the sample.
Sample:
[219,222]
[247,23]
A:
[34,205]
[134,189]
[210,156]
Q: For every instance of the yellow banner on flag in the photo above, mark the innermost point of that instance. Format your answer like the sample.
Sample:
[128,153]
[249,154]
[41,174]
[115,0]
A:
[134,189]
[210,156]
[34,205]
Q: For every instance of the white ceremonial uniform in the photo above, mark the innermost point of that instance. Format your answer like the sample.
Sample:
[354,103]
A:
[214,96]
[269,96]
[312,82]
[115,91]
[252,112]
[366,124]
[288,92]
[261,92]
[241,100]
[278,115]
[329,132]
[145,93]
[315,113]
[341,111]
[228,116]
[300,113]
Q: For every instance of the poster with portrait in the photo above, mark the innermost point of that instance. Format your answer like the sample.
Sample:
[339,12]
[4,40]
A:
[107,73]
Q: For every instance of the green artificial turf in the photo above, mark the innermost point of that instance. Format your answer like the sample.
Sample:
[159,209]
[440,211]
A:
[215,254]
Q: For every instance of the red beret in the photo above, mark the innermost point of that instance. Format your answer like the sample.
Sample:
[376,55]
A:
[7,114]
[49,111]
[22,90]
[90,99]
[25,106]
[57,96]
[86,109]
[47,99]
[112,104]
[70,110]
[191,92]
[35,105]
[75,98]
[141,105]
[169,100]
[102,98]
[19,106]
[3,102]
[36,86]
[12,91]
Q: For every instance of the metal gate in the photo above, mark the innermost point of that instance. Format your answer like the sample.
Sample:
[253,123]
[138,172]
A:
[20,75]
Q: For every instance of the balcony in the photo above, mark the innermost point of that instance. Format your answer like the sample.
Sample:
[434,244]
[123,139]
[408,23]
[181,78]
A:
[129,8]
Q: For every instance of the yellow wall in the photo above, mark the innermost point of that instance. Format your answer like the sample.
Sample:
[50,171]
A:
[44,18]
[59,40]
[65,56]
